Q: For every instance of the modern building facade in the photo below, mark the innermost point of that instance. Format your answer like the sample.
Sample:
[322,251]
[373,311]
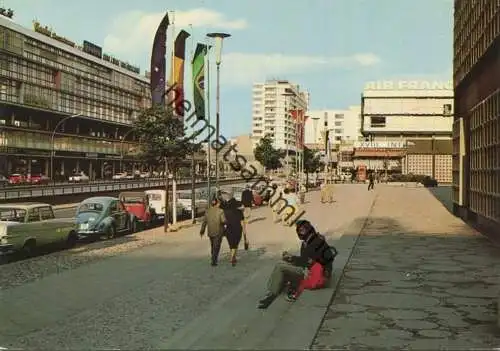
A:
[343,126]
[272,102]
[65,104]
[407,126]
[476,128]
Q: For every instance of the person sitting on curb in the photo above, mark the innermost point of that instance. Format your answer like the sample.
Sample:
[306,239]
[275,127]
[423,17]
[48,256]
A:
[292,271]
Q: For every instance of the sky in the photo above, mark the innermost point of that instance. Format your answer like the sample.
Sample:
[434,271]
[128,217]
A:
[329,47]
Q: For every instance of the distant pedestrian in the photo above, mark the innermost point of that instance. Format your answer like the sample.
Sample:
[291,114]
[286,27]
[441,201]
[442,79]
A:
[234,226]
[214,221]
[371,181]
[247,202]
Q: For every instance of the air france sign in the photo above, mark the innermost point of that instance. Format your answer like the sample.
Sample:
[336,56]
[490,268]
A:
[409,85]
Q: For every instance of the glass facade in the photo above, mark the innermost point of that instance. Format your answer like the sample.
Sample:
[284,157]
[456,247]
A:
[476,161]
[44,80]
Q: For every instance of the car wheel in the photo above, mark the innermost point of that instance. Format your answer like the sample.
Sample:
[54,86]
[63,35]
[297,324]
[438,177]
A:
[71,240]
[111,232]
[29,248]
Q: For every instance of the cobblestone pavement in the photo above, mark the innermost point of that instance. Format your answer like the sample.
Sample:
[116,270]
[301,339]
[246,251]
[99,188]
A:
[419,278]
[166,295]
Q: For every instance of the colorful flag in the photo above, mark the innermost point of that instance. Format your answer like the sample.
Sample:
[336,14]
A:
[158,64]
[300,119]
[177,75]
[198,69]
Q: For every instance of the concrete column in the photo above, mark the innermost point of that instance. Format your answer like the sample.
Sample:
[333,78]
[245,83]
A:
[77,165]
[29,165]
[102,170]
[9,166]
[114,169]
[77,128]
[47,162]
[90,169]
[30,121]
[62,170]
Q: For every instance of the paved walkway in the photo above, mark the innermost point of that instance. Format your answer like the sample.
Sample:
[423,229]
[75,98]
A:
[419,278]
[166,296]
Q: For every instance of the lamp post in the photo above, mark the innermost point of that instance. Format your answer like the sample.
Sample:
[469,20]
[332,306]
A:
[121,148]
[218,37]
[52,142]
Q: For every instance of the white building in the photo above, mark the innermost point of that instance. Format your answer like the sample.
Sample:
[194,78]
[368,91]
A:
[417,116]
[272,102]
[343,126]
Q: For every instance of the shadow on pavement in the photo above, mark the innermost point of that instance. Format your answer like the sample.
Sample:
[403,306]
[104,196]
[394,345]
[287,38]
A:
[403,288]
[443,194]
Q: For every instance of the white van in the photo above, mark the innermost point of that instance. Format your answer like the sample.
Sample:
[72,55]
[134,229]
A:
[201,203]
[157,203]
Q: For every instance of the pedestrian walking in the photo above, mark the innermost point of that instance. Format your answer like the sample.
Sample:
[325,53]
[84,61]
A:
[302,194]
[213,222]
[247,202]
[324,192]
[371,181]
[234,227]
[293,270]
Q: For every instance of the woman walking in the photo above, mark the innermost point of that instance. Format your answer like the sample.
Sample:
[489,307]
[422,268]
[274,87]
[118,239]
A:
[234,226]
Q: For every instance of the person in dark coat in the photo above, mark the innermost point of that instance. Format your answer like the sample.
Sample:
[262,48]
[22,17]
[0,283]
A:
[292,271]
[234,226]
[213,222]
[247,202]
[371,181]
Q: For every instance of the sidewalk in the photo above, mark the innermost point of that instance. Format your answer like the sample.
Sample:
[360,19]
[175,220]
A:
[419,278]
[167,296]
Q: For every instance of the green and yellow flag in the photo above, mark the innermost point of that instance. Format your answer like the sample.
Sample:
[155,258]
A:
[198,69]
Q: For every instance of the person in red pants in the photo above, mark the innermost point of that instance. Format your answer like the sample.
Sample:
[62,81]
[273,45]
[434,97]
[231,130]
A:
[317,278]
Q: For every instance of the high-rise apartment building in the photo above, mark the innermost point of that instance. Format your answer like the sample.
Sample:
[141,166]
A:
[343,126]
[272,102]
[408,128]
[476,129]
[62,101]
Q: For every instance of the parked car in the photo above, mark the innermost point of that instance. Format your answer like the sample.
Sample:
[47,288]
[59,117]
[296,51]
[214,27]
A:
[157,203]
[4,181]
[103,216]
[27,226]
[37,179]
[201,203]
[79,178]
[122,176]
[17,179]
[137,203]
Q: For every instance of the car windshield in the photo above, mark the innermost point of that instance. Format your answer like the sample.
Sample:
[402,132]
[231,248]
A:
[90,207]
[12,214]
[133,200]
[154,197]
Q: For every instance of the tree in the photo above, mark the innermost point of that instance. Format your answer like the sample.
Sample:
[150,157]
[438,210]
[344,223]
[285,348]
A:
[312,162]
[267,155]
[162,136]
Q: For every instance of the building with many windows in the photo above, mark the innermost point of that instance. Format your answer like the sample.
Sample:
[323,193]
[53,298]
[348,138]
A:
[476,129]
[407,126]
[272,102]
[343,126]
[65,103]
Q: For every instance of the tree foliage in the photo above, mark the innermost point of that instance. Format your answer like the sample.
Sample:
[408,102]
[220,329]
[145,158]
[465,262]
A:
[162,135]
[312,161]
[267,155]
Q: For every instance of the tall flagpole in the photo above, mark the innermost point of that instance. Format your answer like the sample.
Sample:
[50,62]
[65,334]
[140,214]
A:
[174,182]
[193,164]
[207,112]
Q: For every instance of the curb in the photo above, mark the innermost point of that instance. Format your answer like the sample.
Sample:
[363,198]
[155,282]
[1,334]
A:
[345,246]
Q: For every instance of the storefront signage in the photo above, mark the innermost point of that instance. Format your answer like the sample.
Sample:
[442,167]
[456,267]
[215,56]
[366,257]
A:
[409,85]
[121,64]
[92,49]
[37,27]
[379,144]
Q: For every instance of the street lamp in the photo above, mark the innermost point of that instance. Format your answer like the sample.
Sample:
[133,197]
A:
[121,148]
[218,37]
[52,142]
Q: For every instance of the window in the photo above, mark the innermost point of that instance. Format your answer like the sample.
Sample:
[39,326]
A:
[46,213]
[34,215]
[113,207]
[447,110]
[377,122]
[339,131]
[338,138]
[338,124]
[339,116]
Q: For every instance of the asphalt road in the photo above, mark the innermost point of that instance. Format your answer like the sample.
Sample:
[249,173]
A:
[165,295]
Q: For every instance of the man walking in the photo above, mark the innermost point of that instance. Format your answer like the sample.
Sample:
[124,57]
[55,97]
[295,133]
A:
[247,202]
[214,221]
[371,181]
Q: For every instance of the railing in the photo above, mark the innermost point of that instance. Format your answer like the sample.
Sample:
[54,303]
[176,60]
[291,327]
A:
[82,188]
